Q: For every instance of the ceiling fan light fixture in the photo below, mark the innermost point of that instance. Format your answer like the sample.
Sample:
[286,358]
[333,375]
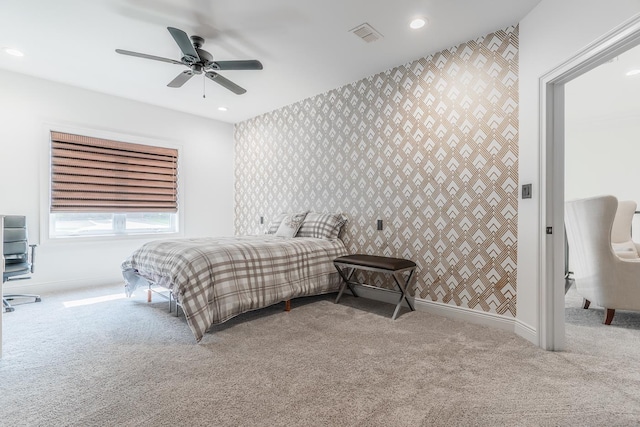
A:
[418,23]
[13,52]
[223,109]
[633,72]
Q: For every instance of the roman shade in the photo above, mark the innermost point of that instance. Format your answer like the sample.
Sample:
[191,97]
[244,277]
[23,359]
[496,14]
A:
[99,175]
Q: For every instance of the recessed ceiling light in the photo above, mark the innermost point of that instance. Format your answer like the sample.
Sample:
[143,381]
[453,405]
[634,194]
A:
[418,23]
[222,108]
[14,52]
[633,72]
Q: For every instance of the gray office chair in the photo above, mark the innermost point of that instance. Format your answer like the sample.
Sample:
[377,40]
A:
[19,256]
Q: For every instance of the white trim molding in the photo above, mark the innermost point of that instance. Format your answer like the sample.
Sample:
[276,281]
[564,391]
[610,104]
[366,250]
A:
[1,283]
[527,332]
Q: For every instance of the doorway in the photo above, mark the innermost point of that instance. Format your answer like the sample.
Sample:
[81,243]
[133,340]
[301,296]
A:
[552,114]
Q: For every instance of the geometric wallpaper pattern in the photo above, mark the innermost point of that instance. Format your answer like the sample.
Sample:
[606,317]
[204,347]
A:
[430,147]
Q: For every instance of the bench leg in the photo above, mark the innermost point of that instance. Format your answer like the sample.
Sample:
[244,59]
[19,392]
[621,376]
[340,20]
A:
[346,281]
[403,292]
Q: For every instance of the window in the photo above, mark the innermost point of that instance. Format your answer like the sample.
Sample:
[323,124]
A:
[102,187]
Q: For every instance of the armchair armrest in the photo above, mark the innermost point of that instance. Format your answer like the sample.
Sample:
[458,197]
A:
[32,255]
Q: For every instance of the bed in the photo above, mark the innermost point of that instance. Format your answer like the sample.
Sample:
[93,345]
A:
[215,279]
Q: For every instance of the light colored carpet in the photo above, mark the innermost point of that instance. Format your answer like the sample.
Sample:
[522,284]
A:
[123,362]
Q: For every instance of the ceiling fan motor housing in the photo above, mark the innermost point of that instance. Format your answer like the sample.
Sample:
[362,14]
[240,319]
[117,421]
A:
[196,68]
[197,41]
[204,60]
[205,57]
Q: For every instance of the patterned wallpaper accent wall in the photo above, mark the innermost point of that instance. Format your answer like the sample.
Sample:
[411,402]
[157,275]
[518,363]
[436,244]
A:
[429,147]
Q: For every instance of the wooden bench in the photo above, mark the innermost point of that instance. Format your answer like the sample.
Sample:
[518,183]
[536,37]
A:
[396,267]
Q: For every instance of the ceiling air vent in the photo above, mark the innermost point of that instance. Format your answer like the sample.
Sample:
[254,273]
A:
[366,32]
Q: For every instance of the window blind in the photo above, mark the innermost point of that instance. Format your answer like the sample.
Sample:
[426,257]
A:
[99,175]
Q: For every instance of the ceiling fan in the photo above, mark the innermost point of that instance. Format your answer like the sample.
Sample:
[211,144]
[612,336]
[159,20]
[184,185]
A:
[199,61]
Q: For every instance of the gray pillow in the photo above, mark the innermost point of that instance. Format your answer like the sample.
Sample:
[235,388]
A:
[322,225]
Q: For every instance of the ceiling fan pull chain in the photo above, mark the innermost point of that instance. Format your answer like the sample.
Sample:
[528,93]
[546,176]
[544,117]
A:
[204,87]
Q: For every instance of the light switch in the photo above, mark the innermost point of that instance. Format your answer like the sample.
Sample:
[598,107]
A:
[526,191]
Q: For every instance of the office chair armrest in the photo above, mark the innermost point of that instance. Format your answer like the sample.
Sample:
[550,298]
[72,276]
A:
[33,256]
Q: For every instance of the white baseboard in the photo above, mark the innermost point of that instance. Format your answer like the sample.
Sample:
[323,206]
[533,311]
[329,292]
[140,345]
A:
[441,309]
[527,332]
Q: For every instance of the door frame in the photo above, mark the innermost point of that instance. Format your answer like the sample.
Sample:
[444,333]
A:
[551,112]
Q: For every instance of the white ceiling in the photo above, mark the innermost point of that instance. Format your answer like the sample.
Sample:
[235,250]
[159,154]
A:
[305,46]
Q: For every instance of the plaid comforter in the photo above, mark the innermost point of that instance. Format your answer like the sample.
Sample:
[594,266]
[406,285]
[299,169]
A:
[215,279]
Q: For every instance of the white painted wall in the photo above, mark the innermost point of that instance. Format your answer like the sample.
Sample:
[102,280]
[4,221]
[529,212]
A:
[602,130]
[602,157]
[28,105]
[549,35]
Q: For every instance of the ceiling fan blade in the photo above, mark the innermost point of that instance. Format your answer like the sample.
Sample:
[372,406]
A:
[181,79]
[225,83]
[184,43]
[144,55]
[251,64]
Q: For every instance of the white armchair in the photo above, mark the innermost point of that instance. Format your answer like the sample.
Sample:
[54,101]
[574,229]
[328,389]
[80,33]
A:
[621,240]
[600,275]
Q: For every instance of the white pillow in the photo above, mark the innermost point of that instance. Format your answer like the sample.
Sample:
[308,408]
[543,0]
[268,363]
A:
[290,225]
[626,250]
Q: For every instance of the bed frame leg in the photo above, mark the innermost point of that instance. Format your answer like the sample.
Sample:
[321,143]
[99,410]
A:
[609,313]
[287,305]
[149,295]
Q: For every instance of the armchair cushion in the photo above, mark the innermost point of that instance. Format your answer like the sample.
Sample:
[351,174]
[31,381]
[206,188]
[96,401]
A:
[626,250]
[621,241]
